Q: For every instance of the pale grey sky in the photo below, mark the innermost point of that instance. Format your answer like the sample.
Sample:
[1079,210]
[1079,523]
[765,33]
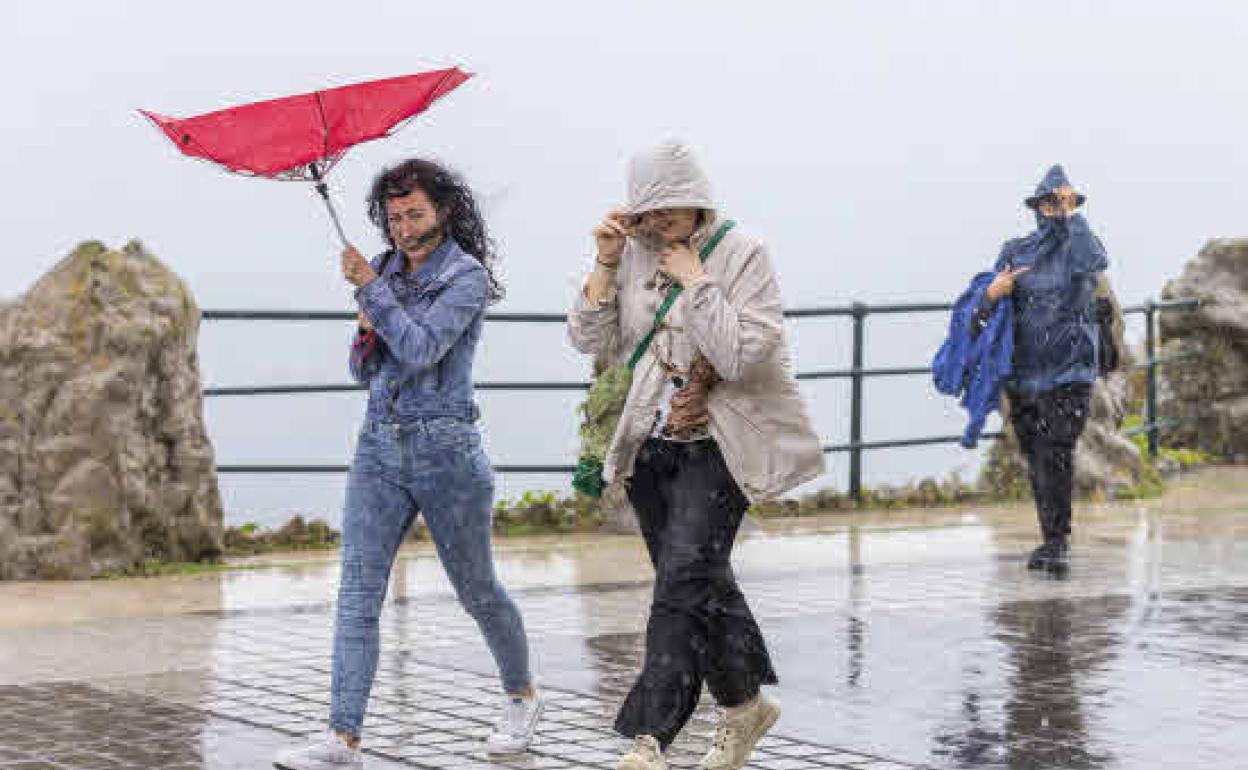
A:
[882,149]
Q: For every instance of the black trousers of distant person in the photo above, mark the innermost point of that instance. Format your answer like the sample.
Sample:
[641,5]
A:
[1048,424]
[700,628]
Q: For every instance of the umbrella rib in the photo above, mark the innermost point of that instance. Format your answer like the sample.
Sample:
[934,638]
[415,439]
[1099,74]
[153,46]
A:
[186,138]
[438,93]
[320,107]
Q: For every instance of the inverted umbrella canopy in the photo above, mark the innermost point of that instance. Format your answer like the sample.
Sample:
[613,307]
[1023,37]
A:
[301,137]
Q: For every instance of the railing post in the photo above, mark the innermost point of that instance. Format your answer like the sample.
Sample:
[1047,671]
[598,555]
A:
[855,405]
[1150,349]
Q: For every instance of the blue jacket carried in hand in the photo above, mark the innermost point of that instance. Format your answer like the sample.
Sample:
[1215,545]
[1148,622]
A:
[976,358]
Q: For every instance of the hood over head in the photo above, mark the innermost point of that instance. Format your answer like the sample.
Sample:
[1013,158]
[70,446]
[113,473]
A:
[1055,178]
[667,176]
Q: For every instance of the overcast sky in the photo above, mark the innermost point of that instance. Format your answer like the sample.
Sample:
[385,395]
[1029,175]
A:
[882,148]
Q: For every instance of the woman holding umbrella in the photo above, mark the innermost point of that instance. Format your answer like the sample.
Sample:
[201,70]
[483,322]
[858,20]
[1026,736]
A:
[422,306]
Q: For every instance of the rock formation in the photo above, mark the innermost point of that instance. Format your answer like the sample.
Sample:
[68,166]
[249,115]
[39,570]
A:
[1208,390]
[104,458]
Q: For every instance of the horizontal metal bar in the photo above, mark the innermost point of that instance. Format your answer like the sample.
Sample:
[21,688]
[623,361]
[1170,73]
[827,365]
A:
[1187,303]
[904,442]
[819,312]
[339,315]
[342,315]
[828,449]
[279,390]
[285,469]
[918,307]
[537,318]
[822,374]
[533,385]
[1181,356]
[276,315]
[569,469]
[811,312]
[831,374]
[1162,425]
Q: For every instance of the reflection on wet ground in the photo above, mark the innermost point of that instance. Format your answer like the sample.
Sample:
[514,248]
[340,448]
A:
[900,641]
[66,725]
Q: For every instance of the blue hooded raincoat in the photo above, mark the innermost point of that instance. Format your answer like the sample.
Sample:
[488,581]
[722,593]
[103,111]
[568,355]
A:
[1055,333]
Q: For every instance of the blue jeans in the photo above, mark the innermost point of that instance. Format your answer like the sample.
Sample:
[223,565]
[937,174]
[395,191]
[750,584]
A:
[437,467]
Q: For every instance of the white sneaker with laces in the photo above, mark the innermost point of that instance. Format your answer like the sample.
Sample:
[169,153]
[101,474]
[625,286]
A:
[516,724]
[646,755]
[327,753]
[739,729]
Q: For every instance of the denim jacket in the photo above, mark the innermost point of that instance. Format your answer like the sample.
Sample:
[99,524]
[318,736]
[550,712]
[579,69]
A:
[418,363]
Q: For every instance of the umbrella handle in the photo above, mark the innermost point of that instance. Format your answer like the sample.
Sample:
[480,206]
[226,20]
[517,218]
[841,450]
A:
[323,189]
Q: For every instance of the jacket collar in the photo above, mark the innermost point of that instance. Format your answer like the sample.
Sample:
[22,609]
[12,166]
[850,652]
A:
[433,268]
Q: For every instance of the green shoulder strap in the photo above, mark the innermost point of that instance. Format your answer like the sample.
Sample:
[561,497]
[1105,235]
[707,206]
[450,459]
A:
[675,291]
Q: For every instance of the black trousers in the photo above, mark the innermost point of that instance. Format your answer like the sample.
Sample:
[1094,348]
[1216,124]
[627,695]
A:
[700,628]
[1047,425]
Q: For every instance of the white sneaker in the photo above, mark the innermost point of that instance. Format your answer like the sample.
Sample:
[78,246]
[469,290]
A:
[646,755]
[516,724]
[739,729]
[328,753]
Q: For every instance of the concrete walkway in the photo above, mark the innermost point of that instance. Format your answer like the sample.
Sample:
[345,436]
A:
[902,639]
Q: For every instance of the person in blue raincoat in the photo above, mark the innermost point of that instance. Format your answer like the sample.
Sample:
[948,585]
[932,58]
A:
[1051,276]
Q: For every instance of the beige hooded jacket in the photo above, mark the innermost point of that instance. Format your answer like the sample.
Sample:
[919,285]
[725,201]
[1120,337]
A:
[735,319]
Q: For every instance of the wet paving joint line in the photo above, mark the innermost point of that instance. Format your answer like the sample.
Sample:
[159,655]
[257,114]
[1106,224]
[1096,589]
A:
[589,741]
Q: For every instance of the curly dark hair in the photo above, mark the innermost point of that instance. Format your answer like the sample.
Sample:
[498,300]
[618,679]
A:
[453,199]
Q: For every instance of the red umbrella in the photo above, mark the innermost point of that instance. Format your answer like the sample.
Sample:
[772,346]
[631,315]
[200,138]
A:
[302,137]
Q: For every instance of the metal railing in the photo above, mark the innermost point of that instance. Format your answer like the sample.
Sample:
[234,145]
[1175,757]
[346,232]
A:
[857,374]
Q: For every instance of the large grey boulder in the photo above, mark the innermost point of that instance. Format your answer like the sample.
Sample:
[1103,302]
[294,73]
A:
[1209,390]
[104,458]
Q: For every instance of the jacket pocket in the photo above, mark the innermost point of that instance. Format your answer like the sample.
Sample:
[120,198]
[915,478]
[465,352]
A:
[450,434]
[747,448]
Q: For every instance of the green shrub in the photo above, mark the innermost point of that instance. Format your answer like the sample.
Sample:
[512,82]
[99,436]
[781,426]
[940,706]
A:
[297,534]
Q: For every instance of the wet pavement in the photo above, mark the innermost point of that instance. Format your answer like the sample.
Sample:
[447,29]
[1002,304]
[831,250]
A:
[902,640]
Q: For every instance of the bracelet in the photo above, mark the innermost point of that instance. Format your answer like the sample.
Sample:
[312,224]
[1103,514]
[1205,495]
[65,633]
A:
[609,268]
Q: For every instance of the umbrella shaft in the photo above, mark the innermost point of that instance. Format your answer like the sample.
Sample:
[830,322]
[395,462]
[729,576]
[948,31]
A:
[333,213]
[323,189]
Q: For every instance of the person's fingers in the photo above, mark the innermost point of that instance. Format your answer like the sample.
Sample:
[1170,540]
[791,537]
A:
[609,229]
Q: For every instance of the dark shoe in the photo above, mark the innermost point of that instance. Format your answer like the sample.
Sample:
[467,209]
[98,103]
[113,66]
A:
[1040,557]
[1059,562]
